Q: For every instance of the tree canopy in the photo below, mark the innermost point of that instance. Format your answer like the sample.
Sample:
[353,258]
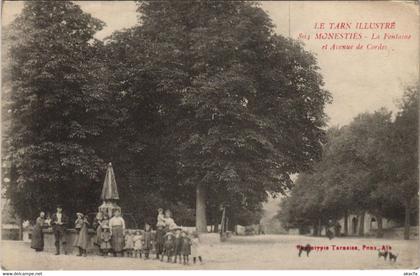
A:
[367,166]
[199,105]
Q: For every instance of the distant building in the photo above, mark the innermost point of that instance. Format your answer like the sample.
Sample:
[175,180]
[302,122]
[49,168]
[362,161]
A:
[370,224]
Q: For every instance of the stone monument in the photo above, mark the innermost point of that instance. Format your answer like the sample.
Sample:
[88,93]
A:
[109,195]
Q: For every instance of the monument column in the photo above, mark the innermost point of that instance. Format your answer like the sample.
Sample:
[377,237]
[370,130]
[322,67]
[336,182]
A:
[109,195]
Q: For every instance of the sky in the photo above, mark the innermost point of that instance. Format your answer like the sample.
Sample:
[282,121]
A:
[359,80]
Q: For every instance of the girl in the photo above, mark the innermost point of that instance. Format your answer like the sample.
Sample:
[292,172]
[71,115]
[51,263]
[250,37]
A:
[195,248]
[129,243]
[138,244]
[37,241]
[82,238]
[105,238]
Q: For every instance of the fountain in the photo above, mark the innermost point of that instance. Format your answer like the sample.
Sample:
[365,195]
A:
[109,195]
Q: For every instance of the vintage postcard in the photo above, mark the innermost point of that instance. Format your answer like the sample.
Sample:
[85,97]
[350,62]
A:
[202,135]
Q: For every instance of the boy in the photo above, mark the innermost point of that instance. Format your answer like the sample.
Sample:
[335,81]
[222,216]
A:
[147,240]
[178,245]
[169,246]
[186,247]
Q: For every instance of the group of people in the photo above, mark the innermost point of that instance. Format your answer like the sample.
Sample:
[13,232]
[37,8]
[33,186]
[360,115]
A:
[58,221]
[112,237]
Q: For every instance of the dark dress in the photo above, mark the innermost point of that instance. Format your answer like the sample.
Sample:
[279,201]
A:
[147,241]
[97,225]
[37,241]
[159,240]
[178,245]
[82,239]
[186,246]
[117,226]
[169,247]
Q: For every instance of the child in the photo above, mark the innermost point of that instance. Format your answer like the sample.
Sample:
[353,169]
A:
[147,240]
[105,221]
[160,218]
[138,244]
[129,244]
[97,226]
[186,247]
[168,248]
[178,245]
[170,224]
[105,239]
[195,248]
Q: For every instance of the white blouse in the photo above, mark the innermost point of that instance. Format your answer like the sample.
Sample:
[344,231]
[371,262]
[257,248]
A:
[117,221]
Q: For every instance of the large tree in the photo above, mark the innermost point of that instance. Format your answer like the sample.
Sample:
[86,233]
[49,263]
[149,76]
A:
[250,107]
[402,157]
[56,107]
[367,166]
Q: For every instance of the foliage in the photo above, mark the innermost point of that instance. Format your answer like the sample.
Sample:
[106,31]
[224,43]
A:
[369,165]
[56,107]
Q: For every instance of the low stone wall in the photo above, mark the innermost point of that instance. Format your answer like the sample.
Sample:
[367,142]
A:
[71,234]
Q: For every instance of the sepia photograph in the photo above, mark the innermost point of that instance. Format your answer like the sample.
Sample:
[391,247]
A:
[209,135]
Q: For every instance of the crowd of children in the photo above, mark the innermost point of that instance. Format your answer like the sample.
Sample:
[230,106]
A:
[169,242]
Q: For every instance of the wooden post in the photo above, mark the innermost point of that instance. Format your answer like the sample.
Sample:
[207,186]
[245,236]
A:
[346,225]
[362,225]
[407,221]
[200,209]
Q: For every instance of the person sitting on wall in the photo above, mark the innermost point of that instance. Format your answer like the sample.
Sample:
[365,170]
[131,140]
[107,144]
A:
[59,223]
[170,224]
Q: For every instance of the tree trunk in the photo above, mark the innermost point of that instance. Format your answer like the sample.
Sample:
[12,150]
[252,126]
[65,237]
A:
[20,223]
[315,230]
[319,227]
[346,226]
[407,222]
[380,232]
[362,225]
[227,224]
[216,228]
[200,209]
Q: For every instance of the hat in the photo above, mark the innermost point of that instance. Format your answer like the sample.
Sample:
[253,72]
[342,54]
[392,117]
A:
[169,234]
[79,214]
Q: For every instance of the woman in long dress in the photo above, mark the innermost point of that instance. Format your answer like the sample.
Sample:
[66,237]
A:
[117,227]
[37,242]
[82,239]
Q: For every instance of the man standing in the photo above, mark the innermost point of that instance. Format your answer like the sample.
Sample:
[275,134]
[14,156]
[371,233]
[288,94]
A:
[59,221]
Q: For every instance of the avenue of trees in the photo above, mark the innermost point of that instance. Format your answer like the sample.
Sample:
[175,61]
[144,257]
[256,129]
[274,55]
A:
[201,105]
[368,166]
